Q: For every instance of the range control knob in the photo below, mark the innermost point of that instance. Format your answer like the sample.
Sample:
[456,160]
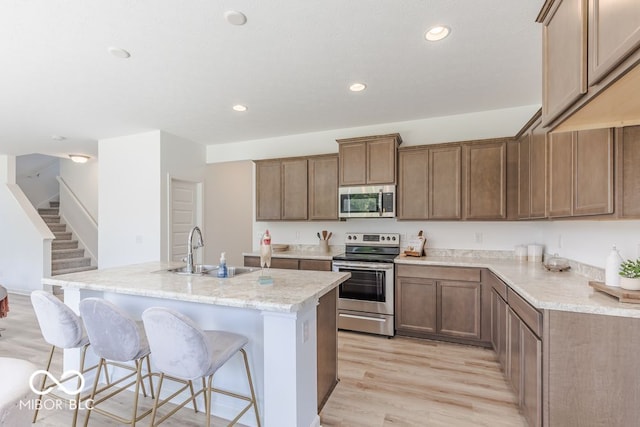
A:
[348,237]
[393,238]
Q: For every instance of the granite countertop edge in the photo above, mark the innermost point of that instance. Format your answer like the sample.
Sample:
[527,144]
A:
[559,291]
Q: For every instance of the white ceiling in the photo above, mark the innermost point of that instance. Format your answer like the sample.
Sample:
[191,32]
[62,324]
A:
[291,64]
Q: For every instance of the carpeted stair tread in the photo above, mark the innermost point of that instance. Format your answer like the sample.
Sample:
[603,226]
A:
[57,228]
[54,204]
[64,244]
[48,211]
[61,264]
[73,270]
[67,253]
[51,219]
[64,235]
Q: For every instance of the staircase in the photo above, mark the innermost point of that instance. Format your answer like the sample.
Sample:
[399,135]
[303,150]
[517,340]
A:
[66,257]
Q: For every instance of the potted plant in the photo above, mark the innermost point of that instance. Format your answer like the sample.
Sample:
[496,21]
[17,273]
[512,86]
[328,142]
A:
[630,275]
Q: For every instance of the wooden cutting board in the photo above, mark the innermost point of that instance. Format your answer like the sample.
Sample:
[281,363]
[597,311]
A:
[623,295]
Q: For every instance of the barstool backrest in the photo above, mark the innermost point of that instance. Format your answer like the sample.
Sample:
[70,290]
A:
[113,333]
[60,326]
[178,345]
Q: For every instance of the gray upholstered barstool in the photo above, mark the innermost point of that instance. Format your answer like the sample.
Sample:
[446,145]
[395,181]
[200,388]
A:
[182,350]
[116,338]
[61,328]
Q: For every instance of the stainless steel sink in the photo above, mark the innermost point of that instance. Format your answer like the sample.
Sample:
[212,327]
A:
[211,270]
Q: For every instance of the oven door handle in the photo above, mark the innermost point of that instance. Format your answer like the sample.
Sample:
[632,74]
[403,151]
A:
[364,267]
[353,316]
[380,203]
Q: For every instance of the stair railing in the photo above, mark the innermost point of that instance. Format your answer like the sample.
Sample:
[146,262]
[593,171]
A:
[78,218]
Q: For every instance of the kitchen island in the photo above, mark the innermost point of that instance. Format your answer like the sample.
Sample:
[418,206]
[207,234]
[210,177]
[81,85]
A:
[279,321]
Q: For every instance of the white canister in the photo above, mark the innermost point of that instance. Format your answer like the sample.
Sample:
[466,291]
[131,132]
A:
[520,253]
[534,253]
[612,268]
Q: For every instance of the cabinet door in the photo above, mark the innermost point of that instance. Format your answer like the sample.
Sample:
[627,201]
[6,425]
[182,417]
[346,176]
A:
[485,183]
[538,172]
[268,191]
[315,265]
[445,168]
[294,189]
[381,161]
[413,184]
[531,372]
[629,173]
[614,32]
[514,359]
[323,188]
[415,305]
[560,174]
[524,176]
[284,263]
[459,309]
[564,71]
[499,327]
[353,163]
[593,175]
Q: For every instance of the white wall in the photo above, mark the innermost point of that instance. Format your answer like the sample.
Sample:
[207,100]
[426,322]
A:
[25,252]
[82,179]
[36,176]
[481,125]
[184,160]
[133,209]
[129,199]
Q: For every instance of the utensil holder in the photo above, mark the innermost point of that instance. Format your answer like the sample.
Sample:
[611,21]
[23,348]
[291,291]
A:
[324,245]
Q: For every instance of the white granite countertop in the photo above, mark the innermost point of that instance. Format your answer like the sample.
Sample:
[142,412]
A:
[564,291]
[291,289]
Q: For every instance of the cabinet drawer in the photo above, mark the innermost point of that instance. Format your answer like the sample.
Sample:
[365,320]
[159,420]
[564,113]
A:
[252,261]
[529,315]
[497,284]
[285,263]
[443,273]
[315,264]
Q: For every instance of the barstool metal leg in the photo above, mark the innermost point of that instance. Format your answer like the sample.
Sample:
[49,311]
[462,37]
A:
[42,385]
[253,394]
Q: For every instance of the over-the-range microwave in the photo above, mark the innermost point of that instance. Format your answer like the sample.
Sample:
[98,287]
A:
[367,202]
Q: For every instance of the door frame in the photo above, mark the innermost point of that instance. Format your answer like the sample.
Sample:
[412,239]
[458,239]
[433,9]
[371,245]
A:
[199,209]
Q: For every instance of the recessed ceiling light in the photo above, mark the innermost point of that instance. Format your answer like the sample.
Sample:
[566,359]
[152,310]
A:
[437,33]
[357,87]
[58,137]
[234,17]
[79,158]
[118,52]
[239,107]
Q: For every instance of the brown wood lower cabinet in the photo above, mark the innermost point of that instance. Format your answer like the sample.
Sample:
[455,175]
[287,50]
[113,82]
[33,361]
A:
[326,319]
[442,303]
[519,348]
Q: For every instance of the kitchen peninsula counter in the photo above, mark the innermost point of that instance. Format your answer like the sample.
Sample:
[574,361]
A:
[545,290]
[279,320]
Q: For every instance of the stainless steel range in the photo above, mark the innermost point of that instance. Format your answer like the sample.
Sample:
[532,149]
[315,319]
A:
[366,300]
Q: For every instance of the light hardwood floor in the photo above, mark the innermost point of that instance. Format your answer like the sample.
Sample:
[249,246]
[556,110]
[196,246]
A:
[383,382]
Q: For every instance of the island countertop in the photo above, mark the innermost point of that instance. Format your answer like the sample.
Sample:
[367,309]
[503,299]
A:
[291,289]
[564,291]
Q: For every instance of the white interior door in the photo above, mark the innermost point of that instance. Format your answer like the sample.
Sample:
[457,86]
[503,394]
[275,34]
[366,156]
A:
[184,205]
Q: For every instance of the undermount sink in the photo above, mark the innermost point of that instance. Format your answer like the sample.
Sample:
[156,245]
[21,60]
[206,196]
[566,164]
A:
[210,270]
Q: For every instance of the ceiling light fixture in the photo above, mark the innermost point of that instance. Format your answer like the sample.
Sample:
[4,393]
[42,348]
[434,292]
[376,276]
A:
[234,17]
[118,52]
[79,158]
[240,108]
[435,34]
[58,137]
[357,87]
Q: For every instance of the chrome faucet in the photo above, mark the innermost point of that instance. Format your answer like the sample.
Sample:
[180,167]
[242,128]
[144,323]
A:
[191,247]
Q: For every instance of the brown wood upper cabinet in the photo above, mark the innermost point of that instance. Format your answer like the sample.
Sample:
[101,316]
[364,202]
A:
[281,189]
[614,33]
[429,182]
[532,172]
[484,178]
[323,187]
[369,160]
[297,188]
[581,173]
[628,172]
[587,46]
[564,72]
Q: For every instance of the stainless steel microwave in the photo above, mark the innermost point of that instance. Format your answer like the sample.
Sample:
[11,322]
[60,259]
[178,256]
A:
[367,202]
